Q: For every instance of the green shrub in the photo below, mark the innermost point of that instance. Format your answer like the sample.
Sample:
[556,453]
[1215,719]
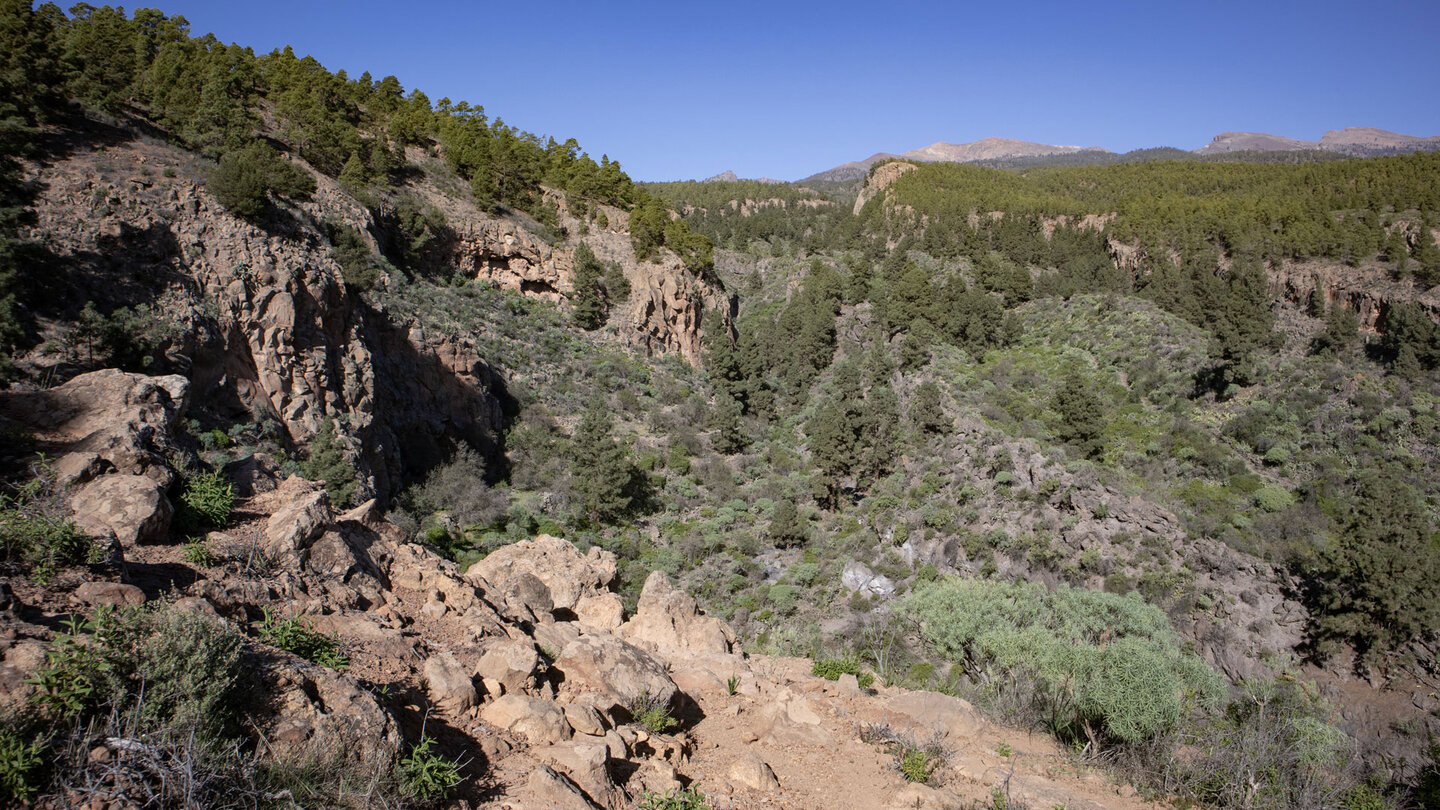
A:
[832,668]
[35,531]
[246,177]
[652,713]
[20,766]
[1273,498]
[197,552]
[187,666]
[295,635]
[688,799]
[206,503]
[1089,664]
[425,775]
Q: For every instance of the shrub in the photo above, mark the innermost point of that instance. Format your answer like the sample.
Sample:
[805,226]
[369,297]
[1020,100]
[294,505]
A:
[295,635]
[34,529]
[688,799]
[246,177]
[1085,663]
[1273,498]
[832,668]
[652,713]
[20,764]
[329,464]
[915,760]
[425,774]
[206,503]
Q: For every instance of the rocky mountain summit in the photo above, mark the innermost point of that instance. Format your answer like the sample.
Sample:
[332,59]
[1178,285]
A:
[525,665]
[1354,141]
[983,149]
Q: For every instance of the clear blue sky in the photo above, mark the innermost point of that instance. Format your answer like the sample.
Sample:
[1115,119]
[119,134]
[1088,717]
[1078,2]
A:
[683,90]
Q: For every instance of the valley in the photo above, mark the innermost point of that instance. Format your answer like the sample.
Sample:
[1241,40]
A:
[361,450]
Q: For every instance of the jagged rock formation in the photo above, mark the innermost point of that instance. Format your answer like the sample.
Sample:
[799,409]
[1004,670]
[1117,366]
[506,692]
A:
[1357,141]
[879,181]
[265,326]
[541,701]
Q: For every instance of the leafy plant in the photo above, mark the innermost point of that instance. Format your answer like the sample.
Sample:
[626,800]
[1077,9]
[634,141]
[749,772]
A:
[688,799]
[34,529]
[206,503]
[832,668]
[197,552]
[425,774]
[652,713]
[295,635]
[20,764]
[732,685]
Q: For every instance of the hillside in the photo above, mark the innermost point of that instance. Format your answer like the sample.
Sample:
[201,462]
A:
[981,150]
[365,451]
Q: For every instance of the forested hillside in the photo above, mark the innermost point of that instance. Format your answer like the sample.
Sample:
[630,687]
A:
[1140,455]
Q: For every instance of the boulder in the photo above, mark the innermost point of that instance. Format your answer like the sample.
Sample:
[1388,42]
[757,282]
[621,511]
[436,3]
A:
[107,421]
[131,508]
[584,763]
[858,577]
[547,789]
[313,711]
[605,611]
[788,719]
[449,684]
[566,572]
[527,598]
[302,519]
[512,663]
[667,618]
[750,771]
[934,712]
[584,719]
[536,719]
[612,673]
[114,594]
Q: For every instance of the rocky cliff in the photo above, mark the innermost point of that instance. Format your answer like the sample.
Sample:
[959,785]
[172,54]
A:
[259,317]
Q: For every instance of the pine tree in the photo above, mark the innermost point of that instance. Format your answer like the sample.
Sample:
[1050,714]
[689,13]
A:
[352,176]
[601,470]
[587,302]
[729,432]
[786,531]
[926,413]
[1082,415]
[328,464]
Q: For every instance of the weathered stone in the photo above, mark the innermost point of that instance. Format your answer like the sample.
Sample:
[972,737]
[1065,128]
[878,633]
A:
[567,574]
[936,712]
[318,712]
[303,518]
[254,474]
[536,719]
[527,598]
[114,594]
[449,684]
[667,618]
[859,578]
[584,763]
[131,508]
[613,673]
[548,789]
[511,663]
[584,719]
[788,719]
[750,771]
[605,611]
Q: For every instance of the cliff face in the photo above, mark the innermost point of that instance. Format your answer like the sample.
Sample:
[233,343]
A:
[264,325]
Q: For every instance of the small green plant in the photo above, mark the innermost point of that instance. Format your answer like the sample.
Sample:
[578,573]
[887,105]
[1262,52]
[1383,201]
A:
[688,799]
[295,635]
[832,668]
[207,502]
[33,528]
[732,685]
[652,713]
[72,678]
[425,774]
[1004,750]
[197,552]
[915,765]
[20,764]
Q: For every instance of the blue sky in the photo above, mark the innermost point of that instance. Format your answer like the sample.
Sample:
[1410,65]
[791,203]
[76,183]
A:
[784,89]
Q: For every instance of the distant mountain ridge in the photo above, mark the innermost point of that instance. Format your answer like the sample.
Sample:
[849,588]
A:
[942,152]
[1354,141]
[1359,141]
[729,176]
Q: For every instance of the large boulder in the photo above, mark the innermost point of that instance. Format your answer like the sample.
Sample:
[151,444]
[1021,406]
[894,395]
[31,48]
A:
[536,719]
[667,618]
[294,526]
[511,664]
[107,421]
[568,574]
[314,712]
[612,674]
[132,509]
[449,684]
